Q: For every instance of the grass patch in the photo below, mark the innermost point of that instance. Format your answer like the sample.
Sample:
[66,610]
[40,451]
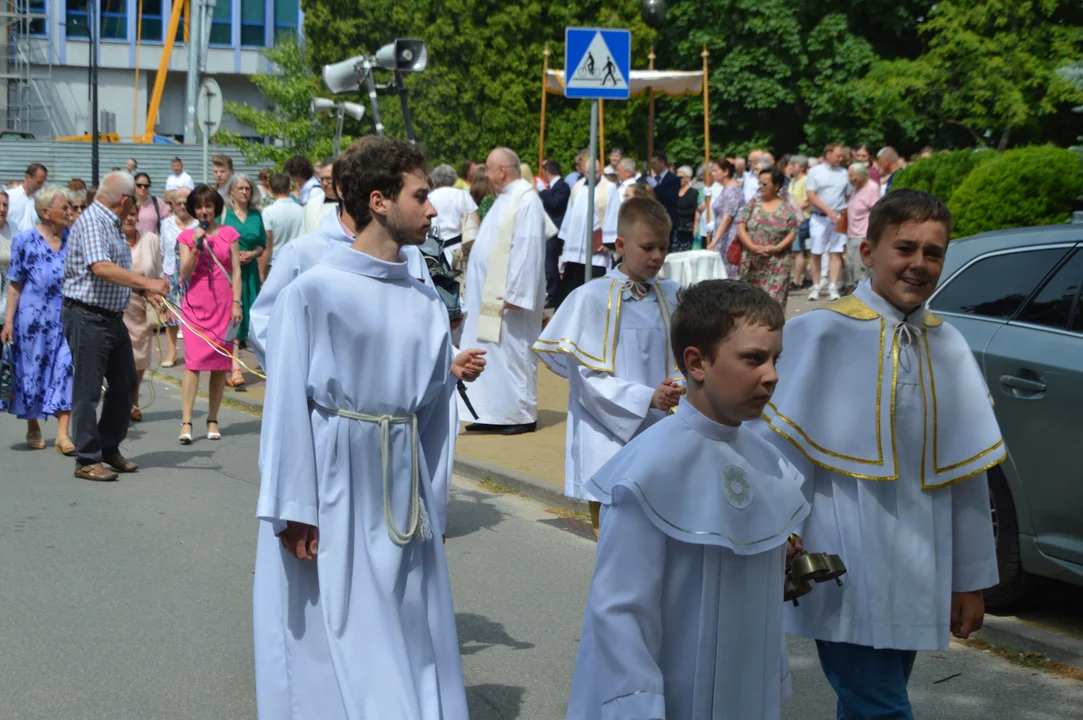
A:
[564,512]
[495,487]
[1031,660]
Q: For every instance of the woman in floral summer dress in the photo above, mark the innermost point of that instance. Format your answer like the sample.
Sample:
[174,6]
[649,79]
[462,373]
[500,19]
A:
[766,229]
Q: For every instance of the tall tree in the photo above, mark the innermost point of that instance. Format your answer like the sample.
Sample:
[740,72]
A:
[989,69]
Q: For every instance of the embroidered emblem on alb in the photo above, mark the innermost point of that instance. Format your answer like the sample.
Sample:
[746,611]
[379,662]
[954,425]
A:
[738,489]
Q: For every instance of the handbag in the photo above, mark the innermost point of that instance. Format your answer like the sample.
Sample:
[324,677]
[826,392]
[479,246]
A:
[735,250]
[843,224]
[468,224]
[7,374]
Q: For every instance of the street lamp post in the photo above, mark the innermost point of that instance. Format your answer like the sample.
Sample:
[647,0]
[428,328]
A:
[654,14]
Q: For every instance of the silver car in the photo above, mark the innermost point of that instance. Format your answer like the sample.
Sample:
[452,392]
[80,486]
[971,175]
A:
[1015,297]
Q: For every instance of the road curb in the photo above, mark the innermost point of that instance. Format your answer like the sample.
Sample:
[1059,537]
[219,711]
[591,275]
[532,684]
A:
[532,488]
[1015,634]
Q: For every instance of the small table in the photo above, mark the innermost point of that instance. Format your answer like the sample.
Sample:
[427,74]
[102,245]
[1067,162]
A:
[693,266]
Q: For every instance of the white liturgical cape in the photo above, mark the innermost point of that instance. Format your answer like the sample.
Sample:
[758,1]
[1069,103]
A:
[614,351]
[298,256]
[890,421]
[507,392]
[684,618]
[574,230]
[367,630]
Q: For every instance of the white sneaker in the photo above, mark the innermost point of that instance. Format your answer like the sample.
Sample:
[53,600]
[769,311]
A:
[815,294]
[833,292]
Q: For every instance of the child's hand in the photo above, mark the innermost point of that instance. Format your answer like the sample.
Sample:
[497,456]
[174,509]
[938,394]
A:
[793,547]
[967,613]
[666,396]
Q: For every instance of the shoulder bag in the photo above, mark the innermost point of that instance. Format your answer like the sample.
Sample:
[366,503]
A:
[734,251]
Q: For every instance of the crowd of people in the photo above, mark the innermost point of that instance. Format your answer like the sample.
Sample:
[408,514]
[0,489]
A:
[90,275]
[362,409]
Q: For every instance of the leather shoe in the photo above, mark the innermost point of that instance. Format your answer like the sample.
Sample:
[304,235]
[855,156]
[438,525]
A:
[96,471]
[482,427]
[120,463]
[518,429]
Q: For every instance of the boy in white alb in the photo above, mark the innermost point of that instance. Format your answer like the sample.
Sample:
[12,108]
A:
[610,339]
[684,618]
[886,413]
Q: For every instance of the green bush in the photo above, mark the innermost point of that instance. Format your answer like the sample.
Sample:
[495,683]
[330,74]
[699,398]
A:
[942,173]
[1020,188]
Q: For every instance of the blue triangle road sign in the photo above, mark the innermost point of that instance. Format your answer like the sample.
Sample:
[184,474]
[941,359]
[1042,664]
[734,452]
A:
[597,63]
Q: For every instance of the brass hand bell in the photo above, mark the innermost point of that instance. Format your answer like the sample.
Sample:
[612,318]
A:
[807,568]
[794,589]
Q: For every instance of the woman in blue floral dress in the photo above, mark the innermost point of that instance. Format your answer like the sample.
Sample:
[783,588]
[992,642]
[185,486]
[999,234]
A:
[43,366]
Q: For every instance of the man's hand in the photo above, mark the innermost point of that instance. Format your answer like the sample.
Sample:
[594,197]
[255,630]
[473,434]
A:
[833,216]
[300,540]
[468,364]
[666,396]
[157,287]
[155,300]
[967,613]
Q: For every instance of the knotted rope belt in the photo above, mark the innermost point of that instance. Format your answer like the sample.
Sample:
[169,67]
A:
[417,520]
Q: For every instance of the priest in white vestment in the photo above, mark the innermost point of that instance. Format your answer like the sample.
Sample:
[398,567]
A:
[684,617]
[883,408]
[578,232]
[353,614]
[505,298]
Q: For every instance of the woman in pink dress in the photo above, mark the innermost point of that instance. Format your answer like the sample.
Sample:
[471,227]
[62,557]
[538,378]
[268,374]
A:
[210,266]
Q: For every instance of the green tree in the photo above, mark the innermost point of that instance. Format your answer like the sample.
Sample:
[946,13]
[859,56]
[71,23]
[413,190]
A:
[289,92]
[989,69]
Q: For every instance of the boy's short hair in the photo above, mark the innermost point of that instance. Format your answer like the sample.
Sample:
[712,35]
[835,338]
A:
[643,211]
[378,166]
[299,166]
[222,161]
[903,206]
[280,183]
[708,311]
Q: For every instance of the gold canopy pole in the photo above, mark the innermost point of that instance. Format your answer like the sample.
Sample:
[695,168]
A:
[706,118]
[541,134]
[650,110]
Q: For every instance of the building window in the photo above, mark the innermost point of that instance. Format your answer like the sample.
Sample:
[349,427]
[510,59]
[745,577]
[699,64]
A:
[285,20]
[152,21]
[222,23]
[253,23]
[37,25]
[114,19]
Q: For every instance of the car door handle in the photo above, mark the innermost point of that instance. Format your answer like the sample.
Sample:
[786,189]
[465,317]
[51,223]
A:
[1018,383]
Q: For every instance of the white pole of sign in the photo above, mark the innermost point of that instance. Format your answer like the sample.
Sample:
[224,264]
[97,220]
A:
[591,173]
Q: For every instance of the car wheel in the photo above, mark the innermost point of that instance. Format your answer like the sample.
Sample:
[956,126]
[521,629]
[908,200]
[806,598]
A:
[1006,535]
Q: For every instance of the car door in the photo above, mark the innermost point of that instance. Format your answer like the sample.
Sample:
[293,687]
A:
[1034,367]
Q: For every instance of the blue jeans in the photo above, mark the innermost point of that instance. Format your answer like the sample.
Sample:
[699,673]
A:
[870,683]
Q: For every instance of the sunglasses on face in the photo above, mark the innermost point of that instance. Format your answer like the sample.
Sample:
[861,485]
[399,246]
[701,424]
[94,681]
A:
[142,185]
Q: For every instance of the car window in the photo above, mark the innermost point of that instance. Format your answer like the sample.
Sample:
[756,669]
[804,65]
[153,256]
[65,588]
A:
[1052,306]
[996,286]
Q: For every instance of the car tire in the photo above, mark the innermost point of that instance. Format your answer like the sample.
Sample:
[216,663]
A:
[1006,533]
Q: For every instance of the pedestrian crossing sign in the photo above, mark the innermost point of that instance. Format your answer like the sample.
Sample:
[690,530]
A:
[597,63]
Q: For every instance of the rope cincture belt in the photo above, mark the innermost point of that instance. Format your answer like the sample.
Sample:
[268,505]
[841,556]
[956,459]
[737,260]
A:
[417,520]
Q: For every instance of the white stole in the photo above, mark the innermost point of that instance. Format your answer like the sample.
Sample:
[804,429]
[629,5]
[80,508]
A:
[491,318]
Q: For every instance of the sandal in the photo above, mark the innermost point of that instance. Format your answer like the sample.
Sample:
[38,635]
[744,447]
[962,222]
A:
[186,437]
[34,440]
[236,380]
[137,415]
[213,435]
[65,446]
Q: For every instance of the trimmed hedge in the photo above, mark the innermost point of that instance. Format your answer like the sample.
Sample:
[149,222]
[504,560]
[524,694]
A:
[1019,188]
[942,173]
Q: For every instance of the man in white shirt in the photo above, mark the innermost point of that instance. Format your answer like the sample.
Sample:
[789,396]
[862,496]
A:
[615,157]
[283,220]
[179,178]
[21,213]
[303,175]
[751,178]
[828,187]
[627,175]
[322,200]
[889,162]
[578,240]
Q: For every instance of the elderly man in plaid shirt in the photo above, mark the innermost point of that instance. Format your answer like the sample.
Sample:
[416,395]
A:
[98,284]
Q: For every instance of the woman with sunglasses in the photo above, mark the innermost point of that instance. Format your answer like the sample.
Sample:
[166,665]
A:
[151,210]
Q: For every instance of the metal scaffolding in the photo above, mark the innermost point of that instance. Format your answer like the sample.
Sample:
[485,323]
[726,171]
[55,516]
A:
[26,64]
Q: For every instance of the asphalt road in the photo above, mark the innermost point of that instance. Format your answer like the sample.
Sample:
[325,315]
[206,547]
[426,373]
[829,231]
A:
[131,600]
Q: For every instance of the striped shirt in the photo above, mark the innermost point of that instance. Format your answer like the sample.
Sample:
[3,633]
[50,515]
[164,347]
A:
[96,237]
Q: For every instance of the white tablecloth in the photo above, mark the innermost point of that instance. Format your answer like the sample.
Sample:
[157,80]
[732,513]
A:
[693,266]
